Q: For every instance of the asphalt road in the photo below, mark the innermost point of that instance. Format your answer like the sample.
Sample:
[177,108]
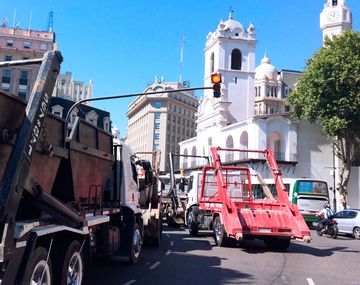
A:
[183,260]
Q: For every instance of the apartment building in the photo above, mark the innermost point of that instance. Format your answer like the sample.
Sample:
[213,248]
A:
[161,121]
[74,90]
[19,44]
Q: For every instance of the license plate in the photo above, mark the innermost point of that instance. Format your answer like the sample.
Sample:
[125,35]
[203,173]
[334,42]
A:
[264,230]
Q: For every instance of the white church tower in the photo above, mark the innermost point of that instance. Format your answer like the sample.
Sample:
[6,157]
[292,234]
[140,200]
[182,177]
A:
[230,50]
[335,18]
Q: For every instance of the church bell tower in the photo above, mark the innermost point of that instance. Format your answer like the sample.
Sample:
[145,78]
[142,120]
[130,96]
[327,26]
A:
[335,18]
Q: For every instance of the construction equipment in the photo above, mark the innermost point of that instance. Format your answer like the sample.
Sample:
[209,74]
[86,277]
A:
[225,204]
[68,192]
[175,200]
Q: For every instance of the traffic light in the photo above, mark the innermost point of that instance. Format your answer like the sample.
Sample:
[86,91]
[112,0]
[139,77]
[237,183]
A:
[216,80]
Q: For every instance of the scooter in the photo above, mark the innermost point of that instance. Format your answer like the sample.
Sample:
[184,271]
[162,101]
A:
[328,228]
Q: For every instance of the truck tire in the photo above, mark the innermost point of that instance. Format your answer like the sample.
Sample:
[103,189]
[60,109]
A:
[37,268]
[73,268]
[192,225]
[220,235]
[135,244]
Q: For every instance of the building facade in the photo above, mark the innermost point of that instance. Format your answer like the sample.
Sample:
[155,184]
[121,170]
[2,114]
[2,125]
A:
[60,107]
[161,121]
[19,44]
[68,88]
[272,88]
[250,113]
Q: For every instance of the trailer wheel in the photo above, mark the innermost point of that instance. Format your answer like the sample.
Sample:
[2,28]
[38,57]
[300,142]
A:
[72,269]
[37,270]
[277,243]
[192,225]
[220,235]
[135,244]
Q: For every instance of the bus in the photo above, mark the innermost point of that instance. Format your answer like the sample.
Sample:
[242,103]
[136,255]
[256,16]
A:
[308,194]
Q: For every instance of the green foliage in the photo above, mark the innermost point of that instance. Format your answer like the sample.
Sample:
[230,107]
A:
[329,89]
[328,93]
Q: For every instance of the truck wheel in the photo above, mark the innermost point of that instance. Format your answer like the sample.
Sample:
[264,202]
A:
[192,225]
[220,235]
[356,233]
[135,246]
[72,270]
[37,270]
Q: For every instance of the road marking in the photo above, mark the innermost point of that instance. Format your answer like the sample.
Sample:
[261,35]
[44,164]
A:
[310,281]
[130,282]
[154,265]
[168,252]
[171,243]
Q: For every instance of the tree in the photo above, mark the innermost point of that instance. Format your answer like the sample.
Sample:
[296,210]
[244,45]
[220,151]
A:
[328,93]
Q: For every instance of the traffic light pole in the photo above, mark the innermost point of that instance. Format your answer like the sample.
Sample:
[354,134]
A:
[130,95]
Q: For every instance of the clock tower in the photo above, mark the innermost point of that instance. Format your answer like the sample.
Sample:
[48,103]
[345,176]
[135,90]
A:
[335,18]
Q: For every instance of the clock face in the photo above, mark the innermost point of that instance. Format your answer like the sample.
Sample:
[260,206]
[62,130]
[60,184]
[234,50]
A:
[333,15]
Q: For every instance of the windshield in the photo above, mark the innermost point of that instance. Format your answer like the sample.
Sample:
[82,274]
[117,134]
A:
[312,187]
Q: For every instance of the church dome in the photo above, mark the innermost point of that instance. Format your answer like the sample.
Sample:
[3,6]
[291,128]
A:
[265,70]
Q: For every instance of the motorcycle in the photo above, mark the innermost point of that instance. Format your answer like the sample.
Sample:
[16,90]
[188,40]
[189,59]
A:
[328,228]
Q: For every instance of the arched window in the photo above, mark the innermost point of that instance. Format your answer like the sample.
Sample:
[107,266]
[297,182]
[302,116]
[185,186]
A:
[229,144]
[274,142]
[193,159]
[212,62]
[236,59]
[185,159]
[244,144]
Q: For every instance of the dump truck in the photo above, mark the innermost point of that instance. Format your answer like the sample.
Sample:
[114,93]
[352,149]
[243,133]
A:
[220,199]
[68,192]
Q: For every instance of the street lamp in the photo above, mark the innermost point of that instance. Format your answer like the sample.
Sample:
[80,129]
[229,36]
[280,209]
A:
[334,186]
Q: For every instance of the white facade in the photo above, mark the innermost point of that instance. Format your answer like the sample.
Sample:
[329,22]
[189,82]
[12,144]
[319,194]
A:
[335,18]
[300,148]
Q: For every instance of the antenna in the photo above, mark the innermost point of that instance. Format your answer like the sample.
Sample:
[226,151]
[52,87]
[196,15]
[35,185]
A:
[50,22]
[30,21]
[182,41]
[14,20]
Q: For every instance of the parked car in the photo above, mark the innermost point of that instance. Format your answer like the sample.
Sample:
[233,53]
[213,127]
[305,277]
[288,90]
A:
[348,222]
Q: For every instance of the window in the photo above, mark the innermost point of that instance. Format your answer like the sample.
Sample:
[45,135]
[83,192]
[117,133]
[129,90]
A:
[156,146]
[8,58]
[43,46]
[157,105]
[26,45]
[236,59]
[57,110]
[157,116]
[157,126]
[6,78]
[9,43]
[24,76]
[25,58]
[92,117]
[212,63]
[157,136]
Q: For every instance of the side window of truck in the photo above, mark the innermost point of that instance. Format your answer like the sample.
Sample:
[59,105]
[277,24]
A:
[134,172]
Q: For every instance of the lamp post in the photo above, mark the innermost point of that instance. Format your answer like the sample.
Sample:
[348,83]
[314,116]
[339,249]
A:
[334,183]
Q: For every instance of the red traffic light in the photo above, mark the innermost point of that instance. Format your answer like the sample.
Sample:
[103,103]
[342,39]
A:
[216,78]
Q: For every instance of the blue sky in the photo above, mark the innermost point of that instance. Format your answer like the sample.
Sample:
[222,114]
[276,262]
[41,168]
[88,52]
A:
[122,45]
